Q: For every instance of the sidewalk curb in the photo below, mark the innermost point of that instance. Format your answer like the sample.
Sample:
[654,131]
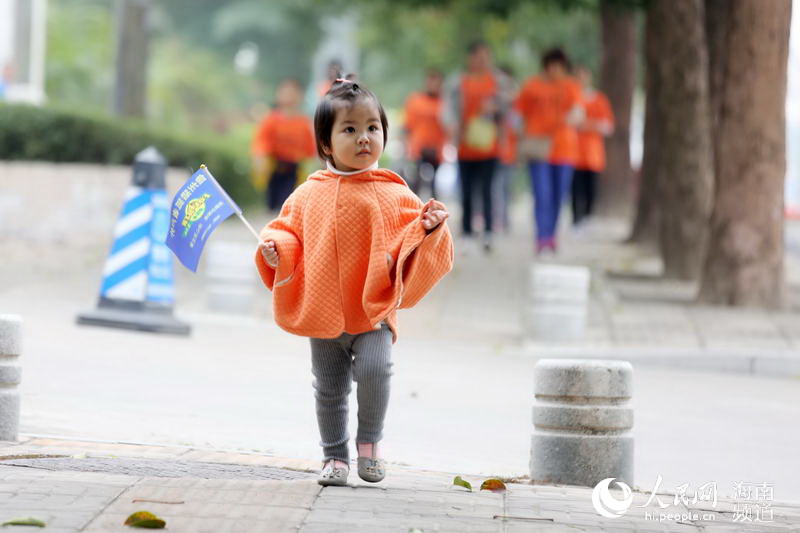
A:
[753,361]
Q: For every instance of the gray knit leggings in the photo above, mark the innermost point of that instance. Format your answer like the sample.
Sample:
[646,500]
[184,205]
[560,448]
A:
[335,363]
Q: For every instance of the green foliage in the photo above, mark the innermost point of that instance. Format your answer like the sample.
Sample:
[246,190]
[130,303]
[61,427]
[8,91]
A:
[401,39]
[192,83]
[286,32]
[505,7]
[80,53]
[48,134]
[193,89]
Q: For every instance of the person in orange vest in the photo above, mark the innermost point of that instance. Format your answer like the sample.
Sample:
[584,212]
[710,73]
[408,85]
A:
[476,102]
[284,138]
[550,106]
[425,133]
[351,246]
[597,124]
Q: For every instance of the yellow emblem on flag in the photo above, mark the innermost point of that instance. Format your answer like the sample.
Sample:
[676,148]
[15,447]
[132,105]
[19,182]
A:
[194,210]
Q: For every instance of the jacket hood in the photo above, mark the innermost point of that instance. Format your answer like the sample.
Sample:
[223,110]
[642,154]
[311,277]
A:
[379,174]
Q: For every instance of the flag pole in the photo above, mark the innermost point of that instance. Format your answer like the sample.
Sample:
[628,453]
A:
[237,209]
[246,223]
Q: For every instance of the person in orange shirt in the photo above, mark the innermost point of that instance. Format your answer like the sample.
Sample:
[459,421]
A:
[477,100]
[550,108]
[352,245]
[425,133]
[283,139]
[598,123]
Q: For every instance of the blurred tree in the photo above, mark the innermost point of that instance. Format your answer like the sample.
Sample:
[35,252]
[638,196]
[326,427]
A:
[401,38]
[192,80]
[646,222]
[617,81]
[79,55]
[286,32]
[685,178]
[716,24]
[750,45]
[194,89]
[132,51]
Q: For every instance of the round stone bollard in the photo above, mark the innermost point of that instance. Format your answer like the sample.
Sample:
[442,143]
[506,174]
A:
[10,374]
[582,418]
[557,304]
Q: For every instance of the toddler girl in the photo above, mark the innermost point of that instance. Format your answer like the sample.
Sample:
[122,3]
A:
[351,246]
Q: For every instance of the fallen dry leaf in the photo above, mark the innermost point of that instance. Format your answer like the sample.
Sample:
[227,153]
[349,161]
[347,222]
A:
[146,520]
[494,485]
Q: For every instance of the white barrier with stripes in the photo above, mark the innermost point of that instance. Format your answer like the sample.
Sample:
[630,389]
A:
[139,265]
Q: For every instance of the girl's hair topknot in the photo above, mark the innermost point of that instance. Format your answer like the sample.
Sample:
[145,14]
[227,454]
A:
[345,92]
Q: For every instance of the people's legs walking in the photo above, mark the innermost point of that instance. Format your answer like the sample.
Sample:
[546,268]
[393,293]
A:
[435,168]
[562,184]
[591,190]
[502,193]
[414,179]
[272,191]
[426,172]
[487,179]
[268,192]
[542,187]
[331,364]
[282,184]
[466,176]
[579,196]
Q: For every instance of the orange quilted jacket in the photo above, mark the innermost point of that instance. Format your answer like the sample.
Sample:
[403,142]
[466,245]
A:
[352,251]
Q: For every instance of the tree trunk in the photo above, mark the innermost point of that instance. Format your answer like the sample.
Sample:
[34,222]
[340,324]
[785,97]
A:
[745,260]
[716,23]
[131,75]
[617,81]
[685,159]
[646,222]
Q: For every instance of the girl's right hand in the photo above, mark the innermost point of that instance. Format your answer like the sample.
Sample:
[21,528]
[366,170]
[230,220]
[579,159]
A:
[269,252]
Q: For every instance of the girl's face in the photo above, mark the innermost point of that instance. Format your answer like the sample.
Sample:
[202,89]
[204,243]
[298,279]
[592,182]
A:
[357,136]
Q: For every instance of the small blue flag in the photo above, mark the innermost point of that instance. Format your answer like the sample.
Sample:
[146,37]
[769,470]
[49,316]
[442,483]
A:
[197,209]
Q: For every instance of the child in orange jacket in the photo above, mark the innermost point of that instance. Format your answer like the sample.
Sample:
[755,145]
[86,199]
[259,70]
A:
[351,246]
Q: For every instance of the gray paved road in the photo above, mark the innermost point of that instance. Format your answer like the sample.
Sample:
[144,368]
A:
[461,392]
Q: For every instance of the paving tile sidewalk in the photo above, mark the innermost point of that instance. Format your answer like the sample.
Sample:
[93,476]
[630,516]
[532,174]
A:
[635,314]
[195,501]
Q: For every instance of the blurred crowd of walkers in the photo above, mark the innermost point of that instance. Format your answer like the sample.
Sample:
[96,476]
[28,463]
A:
[552,123]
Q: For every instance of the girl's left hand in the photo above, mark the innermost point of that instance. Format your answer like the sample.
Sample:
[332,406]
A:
[433,214]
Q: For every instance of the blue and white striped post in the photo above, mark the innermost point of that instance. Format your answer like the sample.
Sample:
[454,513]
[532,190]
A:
[137,290]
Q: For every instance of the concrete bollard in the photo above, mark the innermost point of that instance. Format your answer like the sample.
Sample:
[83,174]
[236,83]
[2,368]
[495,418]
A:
[558,299]
[10,375]
[582,418]
[232,282]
